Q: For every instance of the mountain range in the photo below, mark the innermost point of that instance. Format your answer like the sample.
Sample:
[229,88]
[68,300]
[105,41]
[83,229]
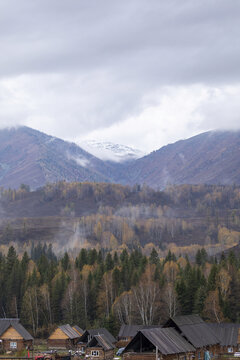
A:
[34,158]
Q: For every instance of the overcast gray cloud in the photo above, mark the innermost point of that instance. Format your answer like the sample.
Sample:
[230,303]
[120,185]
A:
[140,72]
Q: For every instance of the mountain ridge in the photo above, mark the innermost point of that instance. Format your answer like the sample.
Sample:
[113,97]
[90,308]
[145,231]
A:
[34,158]
[211,157]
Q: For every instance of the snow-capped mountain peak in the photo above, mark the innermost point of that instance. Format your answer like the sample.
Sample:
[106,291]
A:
[106,150]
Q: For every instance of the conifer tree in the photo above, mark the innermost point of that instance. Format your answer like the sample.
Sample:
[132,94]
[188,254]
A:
[154,259]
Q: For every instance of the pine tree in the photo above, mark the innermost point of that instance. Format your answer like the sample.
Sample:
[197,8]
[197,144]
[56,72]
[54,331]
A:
[65,261]
[233,300]
[11,259]
[200,300]
[109,264]
[212,278]
[154,259]
[181,296]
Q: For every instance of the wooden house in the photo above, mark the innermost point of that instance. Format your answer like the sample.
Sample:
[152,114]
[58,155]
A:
[13,336]
[229,336]
[89,334]
[155,343]
[100,348]
[196,332]
[64,337]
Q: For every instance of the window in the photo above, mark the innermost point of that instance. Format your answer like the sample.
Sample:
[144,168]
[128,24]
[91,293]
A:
[199,355]
[230,349]
[94,353]
[13,345]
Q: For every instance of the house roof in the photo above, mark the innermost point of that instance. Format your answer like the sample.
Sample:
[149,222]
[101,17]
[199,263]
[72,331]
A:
[100,331]
[6,323]
[195,330]
[102,341]
[131,330]
[78,329]
[188,320]
[69,331]
[167,340]
[226,332]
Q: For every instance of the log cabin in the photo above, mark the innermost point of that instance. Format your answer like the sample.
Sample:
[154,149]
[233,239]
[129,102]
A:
[155,343]
[64,337]
[13,336]
[89,334]
[196,332]
[99,347]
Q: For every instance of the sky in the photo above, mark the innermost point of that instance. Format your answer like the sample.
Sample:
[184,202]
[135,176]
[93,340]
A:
[143,73]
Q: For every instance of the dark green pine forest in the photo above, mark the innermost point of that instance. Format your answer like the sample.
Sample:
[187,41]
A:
[98,288]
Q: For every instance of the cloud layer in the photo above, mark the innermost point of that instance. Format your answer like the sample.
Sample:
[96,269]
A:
[139,72]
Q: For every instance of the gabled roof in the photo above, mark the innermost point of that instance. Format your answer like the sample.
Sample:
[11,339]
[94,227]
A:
[6,323]
[188,320]
[226,332]
[167,340]
[69,331]
[131,330]
[194,329]
[101,331]
[78,329]
[102,341]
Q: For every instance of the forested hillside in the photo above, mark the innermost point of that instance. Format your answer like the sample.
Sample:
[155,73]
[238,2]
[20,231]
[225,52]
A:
[113,217]
[104,289]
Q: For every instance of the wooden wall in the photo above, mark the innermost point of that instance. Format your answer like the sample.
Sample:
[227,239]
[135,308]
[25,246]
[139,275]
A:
[58,334]
[59,343]
[11,333]
[21,344]
[103,355]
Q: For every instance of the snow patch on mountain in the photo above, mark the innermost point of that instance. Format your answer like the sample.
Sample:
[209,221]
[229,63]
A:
[106,150]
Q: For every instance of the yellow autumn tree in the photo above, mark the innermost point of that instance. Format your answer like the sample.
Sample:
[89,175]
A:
[212,310]
[170,271]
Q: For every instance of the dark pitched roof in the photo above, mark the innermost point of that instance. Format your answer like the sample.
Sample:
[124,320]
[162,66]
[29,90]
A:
[188,320]
[102,341]
[195,330]
[69,331]
[78,329]
[226,332]
[131,330]
[101,331]
[168,341]
[6,323]
[22,331]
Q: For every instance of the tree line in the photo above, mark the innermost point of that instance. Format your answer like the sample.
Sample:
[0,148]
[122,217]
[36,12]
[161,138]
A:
[101,288]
